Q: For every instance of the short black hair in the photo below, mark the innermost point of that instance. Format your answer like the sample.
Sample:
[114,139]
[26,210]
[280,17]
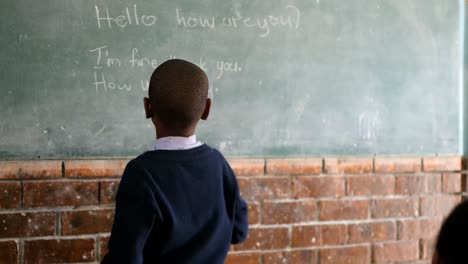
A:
[178,92]
[451,244]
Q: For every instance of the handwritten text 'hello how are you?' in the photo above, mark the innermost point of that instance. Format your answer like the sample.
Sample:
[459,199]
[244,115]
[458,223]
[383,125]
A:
[134,16]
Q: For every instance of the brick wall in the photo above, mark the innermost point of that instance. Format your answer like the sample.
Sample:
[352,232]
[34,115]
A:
[331,210]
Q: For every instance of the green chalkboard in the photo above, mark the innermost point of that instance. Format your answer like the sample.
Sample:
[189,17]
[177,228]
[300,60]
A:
[288,77]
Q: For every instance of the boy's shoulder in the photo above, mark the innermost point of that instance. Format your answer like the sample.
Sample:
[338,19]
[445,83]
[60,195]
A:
[153,163]
[205,151]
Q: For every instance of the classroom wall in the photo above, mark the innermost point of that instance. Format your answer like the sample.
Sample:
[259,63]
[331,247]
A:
[330,210]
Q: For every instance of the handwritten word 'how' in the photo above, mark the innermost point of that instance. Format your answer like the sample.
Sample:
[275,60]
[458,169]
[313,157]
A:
[100,83]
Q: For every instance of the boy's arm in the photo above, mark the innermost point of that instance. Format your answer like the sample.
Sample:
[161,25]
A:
[241,218]
[133,220]
[241,225]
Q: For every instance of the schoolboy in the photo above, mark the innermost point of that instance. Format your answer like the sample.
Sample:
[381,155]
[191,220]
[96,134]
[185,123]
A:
[179,203]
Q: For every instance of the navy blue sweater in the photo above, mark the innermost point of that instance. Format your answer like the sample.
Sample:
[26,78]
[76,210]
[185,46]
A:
[177,206]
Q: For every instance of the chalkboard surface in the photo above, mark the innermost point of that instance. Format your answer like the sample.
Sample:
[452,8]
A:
[288,77]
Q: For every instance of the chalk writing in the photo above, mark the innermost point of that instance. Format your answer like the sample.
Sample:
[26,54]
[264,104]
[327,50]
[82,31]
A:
[137,61]
[227,66]
[287,17]
[144,85]
[100,83]
[192,22]
[130,16]
[202,64]
[263,23]
[103,60]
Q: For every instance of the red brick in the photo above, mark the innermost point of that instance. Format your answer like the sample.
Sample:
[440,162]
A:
[402,164]
[59,251]
[434,182]
[349,165]
[10,195]
[345,255]
[107,191]
[366,185]
[27,224]
[50,194]
[319,186]
[247,167]
[344,210]
[438,205]
[396,251]
[452,182]
[30,169]
[410,184]
[94,168]
[245,258]
[430,227]
[417,184]
[409,229]
[294,166]
[291,257]
[427,248]
[306,236]
[289,212]
[419,228]
[334,234]
[254,213]
[261,188]
[8,252]
[372,232]
[394,207]
[87,222]
[447,163]
[319,235]
[464,184]
[265,238]
[103,246]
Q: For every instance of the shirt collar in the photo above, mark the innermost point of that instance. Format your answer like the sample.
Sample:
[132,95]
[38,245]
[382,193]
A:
[177,143]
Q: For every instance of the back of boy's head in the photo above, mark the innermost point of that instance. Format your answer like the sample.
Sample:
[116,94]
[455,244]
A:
[452,243]
[178,92]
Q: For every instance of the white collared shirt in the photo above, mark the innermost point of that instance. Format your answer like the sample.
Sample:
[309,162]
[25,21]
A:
[177,143]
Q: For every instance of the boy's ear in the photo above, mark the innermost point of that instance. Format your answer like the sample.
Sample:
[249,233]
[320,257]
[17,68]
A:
[206,112]
[148,108]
